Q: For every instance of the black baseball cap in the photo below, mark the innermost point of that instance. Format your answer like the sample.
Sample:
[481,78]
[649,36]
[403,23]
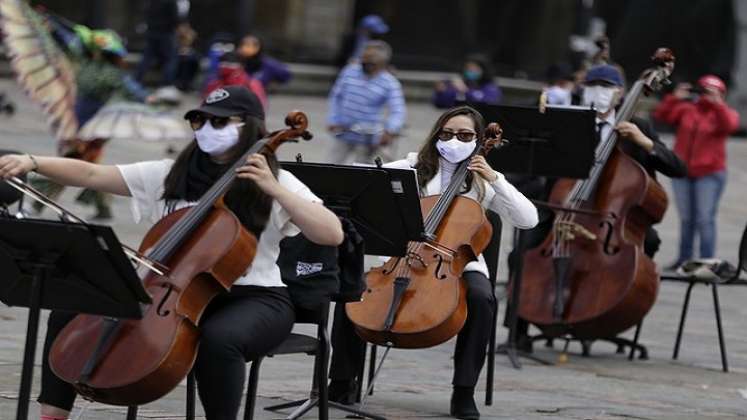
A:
[229,101]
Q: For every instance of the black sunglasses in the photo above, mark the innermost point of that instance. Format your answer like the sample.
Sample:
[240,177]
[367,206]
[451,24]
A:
[197,121]
[446,135]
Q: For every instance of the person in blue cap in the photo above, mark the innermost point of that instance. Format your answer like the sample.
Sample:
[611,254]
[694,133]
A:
[369,28]
[604,89]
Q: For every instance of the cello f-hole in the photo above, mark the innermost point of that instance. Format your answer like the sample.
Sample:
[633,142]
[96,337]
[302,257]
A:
[438,273]
[607,246]
[160,310]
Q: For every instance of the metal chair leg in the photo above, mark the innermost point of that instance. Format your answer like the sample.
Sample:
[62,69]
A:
[324,351]
[132,412]
[637,334]
[191,393]
[371,371]
[251,390]
[489,377]
[685,306]
[717,309]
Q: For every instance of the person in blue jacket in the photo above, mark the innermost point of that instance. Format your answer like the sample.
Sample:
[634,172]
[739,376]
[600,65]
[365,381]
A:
[259,65]
[474,85]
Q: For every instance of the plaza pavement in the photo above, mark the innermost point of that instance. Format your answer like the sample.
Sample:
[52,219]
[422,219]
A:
[416,383]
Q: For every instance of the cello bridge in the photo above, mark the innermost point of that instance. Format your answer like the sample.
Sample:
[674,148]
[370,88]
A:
[567,231]
[413,257]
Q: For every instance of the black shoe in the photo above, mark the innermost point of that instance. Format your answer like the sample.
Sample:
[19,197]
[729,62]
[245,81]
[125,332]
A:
[343,391]
[463,403]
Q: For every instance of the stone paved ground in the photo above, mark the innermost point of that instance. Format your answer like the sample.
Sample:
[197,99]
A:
[415,384]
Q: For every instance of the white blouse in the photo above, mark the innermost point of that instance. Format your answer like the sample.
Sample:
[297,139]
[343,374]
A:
[145,181]
[499,196]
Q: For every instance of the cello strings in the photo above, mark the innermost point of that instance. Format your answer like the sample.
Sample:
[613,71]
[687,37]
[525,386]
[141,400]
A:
[176,234]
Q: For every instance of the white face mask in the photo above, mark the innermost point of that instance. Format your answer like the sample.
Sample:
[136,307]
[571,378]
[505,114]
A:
[454,150]
[217,141]
[599,96]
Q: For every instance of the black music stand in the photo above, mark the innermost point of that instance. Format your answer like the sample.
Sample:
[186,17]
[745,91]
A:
[559,142]
[382,203]
[63,266]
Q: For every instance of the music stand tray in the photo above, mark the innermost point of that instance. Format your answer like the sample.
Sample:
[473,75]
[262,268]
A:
[559,142]
[63,266]
[382,203]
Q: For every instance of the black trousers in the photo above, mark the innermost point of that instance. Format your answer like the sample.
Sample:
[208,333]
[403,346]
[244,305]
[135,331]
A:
[237,327]
[348,350]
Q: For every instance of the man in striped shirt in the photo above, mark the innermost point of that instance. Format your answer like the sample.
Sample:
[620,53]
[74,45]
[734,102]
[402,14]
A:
[361,94]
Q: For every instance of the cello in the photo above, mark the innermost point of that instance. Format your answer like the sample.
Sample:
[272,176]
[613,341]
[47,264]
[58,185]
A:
[204,250]
[419,300]
[590,277]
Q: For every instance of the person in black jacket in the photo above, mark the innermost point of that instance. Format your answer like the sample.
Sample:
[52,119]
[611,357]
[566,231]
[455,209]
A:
[162,18]
[604,90]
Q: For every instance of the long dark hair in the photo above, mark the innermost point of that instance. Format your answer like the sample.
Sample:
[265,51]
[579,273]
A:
[244,198]
[428,164]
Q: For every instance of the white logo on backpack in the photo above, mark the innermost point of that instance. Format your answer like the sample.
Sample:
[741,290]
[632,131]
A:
[305,269]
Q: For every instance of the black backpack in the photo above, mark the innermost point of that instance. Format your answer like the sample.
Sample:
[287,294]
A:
[317,273]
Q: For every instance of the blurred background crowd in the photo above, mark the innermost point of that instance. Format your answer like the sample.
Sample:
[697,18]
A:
[369,58]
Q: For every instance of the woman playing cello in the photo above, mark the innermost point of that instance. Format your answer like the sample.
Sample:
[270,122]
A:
[256,315]
[454,137]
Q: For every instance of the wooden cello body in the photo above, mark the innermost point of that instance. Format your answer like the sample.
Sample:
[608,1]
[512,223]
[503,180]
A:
[611,283]
[433,308]
[203,250]
[128,373]
[419,300]
[590,277]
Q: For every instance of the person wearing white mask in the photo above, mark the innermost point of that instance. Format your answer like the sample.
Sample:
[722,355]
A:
[257,314]
[451,141]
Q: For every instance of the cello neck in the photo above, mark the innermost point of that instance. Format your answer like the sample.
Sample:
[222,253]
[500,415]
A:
[169,242]
[492,139]
[442,205]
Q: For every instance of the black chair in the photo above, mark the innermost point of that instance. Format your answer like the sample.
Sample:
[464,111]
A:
[300,343]
[714,283]
[490,254]
[295,343]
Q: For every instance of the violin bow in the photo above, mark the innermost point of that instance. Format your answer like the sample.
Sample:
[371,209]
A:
[69,216]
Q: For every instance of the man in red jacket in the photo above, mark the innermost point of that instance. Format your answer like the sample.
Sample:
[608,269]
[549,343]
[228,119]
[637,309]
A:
[703,126]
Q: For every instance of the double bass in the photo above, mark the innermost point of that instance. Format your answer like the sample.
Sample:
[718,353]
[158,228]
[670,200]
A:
[590,278]
[204,249]
[419,300]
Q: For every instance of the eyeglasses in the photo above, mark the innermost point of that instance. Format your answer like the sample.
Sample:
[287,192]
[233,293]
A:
[197,121]
[446,135]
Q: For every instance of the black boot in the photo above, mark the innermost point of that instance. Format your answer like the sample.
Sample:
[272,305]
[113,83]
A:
[463,403]
[343,391]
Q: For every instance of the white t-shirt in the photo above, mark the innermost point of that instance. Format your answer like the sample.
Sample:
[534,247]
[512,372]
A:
[145,181]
